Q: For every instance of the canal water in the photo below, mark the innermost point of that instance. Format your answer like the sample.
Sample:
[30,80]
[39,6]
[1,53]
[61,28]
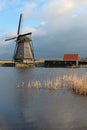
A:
[40,109]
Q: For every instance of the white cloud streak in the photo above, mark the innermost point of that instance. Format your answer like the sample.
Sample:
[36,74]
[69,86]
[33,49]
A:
[28,9]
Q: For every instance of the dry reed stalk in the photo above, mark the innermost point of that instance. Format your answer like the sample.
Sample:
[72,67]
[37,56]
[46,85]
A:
[77,84]
[48,84]
[34,84]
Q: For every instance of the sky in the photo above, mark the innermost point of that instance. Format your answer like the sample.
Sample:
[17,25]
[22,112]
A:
[57,26]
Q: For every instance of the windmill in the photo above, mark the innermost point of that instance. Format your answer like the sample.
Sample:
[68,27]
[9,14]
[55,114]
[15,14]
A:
[24,49]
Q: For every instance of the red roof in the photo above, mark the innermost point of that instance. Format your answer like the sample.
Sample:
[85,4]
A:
[71,57]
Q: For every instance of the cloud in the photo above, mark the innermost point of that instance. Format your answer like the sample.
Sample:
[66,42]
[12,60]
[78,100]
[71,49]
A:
[59,24]
[62,15]
[63,19]
[27,9]
[53,9]
[56,15]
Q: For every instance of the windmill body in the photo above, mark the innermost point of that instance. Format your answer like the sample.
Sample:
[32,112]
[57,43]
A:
[23,49]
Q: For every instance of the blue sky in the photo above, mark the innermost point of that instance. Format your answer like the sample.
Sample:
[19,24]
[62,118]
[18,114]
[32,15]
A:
[10,11]
[58,26]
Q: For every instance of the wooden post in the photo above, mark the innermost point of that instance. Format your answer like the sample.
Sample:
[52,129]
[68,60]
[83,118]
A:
[76,63]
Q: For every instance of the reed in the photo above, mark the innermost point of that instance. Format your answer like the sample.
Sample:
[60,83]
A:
[52,84]
[34,84]
[21,85]
[76,83]
[47,84]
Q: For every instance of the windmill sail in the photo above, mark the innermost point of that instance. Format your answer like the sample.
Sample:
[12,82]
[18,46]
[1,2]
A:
[19,26]
[7,39]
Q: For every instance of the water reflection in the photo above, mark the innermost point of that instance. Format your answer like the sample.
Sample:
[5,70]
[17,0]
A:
[39,109]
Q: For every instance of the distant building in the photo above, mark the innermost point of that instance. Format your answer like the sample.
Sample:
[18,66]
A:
[69,60]
[71,57]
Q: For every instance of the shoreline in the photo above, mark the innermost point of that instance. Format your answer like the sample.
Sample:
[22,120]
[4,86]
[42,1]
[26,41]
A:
[43,63]
[11,63]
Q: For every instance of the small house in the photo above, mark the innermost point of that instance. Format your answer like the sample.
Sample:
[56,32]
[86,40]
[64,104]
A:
[71,59]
